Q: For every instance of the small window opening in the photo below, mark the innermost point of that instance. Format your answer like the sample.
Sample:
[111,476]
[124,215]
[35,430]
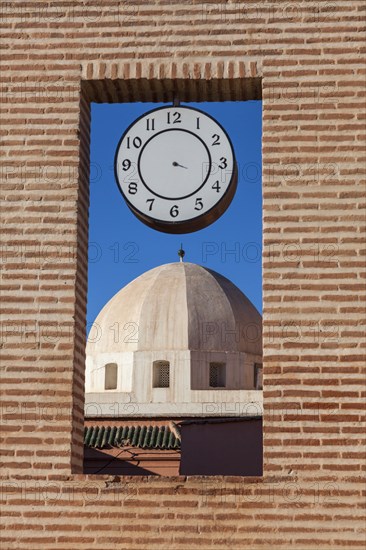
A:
[110,380]
[161,374]
[258,376]
[217,375]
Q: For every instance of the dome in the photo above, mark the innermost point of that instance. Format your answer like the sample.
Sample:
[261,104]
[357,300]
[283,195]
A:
[178,306]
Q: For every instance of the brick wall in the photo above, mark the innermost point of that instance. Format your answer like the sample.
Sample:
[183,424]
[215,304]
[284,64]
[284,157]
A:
[305,58]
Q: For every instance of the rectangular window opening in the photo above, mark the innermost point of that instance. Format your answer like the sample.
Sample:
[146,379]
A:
[161,375]
[217,375]
[258,376]
[177,425]
[110,380]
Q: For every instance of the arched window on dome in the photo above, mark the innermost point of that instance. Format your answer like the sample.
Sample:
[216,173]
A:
[217,375]
[110,376]
[161,374]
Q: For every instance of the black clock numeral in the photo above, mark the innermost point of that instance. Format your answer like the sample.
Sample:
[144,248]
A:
[223,163]
[216,139]
[137,142]
[126,165]
[151,201]
[132,188]
[198,123]
[174,211]
[216,186]
[175,119]
[199,204]
[150,124]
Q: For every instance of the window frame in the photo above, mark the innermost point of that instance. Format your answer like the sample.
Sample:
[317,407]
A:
[107,369]
[220,374]
[158,365]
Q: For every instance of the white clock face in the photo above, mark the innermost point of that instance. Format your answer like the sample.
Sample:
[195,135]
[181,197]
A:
[176,169]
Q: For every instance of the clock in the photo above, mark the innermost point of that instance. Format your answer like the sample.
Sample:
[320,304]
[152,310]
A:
[176,169]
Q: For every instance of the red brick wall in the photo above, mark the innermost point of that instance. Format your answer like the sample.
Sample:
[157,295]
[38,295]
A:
[307,57]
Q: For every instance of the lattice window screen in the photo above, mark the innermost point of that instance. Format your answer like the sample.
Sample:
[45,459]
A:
[164,376]
[161,378]
[217,375]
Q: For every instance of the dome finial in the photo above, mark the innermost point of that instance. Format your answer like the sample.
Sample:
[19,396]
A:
[181,252]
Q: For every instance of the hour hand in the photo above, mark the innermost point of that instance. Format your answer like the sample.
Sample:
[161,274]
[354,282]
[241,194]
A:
[181,165]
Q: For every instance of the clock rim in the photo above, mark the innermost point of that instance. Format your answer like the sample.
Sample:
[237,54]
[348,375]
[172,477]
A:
[192,224]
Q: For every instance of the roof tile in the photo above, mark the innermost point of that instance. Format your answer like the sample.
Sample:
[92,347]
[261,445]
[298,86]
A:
[145,437]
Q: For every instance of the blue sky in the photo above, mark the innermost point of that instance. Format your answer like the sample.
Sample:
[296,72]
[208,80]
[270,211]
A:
[121,247]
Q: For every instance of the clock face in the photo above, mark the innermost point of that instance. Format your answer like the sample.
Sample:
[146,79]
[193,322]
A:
[176,169]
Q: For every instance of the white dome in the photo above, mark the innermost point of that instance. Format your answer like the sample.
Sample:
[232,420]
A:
[178,306]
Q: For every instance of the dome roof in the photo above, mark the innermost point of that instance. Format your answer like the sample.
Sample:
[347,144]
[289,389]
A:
[178,306]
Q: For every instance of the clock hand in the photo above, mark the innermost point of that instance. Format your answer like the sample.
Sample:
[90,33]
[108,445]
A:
[181,165]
